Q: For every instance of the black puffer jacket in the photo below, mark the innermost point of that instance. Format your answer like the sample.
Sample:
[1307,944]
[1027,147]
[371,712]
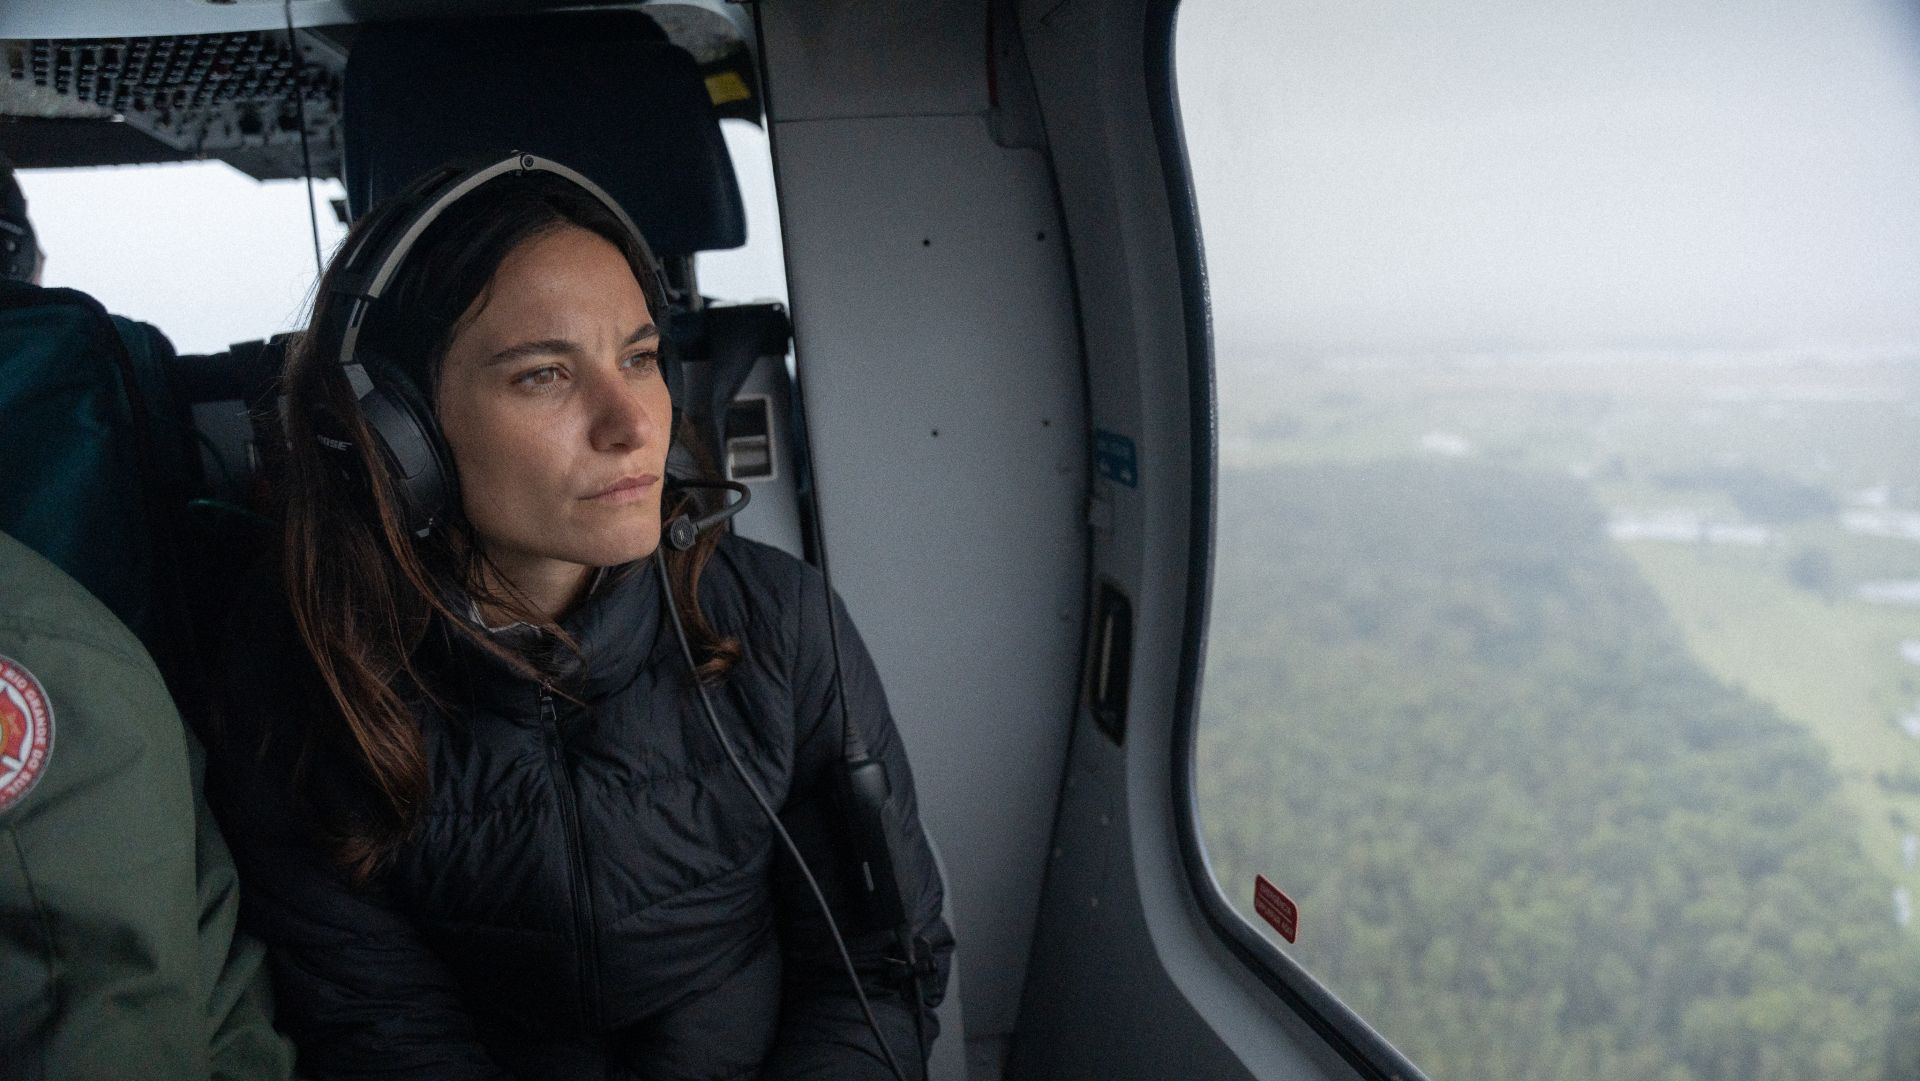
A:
[591,892]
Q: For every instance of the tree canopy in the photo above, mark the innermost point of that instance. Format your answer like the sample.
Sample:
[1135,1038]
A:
[1530,837]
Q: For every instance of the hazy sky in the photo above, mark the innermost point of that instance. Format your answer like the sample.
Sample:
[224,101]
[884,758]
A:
[1372,174]
[1489,172]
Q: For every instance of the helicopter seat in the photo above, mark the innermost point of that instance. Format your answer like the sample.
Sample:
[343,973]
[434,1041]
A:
[608,94]
[605,93]
[99,466]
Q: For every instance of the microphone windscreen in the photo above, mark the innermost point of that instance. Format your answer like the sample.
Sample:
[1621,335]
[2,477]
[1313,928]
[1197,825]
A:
[681,533]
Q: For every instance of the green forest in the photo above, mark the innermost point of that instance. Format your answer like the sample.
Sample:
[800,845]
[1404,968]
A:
[1530,835]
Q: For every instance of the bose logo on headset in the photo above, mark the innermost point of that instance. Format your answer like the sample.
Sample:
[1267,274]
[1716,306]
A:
[399,418]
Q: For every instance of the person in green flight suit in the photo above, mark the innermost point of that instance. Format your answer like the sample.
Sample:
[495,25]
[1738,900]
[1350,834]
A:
[118,951]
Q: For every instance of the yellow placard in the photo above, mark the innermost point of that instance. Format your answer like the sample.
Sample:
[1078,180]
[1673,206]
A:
[727,87]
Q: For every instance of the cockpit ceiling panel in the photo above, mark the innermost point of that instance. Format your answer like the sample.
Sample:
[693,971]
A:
[65,143]
[150,18]
[239,96]
[711,30]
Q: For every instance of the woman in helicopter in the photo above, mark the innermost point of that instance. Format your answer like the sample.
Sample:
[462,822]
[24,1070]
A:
[510,781]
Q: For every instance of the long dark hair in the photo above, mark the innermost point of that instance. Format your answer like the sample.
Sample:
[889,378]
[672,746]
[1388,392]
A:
[363,589]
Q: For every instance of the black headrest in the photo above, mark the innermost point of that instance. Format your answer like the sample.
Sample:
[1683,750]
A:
[604,93]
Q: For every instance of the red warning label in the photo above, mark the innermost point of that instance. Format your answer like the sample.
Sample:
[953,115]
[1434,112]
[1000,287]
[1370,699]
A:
[1276,908]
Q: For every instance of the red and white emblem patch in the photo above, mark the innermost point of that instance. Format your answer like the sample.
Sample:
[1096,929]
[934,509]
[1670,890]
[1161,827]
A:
[26,732]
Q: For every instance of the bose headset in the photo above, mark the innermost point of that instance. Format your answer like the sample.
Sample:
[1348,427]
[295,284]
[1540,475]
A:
[418,462]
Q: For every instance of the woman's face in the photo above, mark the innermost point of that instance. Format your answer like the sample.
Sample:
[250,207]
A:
[553,403]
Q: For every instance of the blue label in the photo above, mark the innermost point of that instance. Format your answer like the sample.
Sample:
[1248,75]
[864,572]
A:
[1113,457]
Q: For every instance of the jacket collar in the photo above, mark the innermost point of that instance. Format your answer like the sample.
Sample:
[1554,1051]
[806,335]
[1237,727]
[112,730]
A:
[617,629]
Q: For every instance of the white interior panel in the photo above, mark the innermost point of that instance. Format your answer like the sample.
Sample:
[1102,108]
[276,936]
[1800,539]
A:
[876,58]
[938,358]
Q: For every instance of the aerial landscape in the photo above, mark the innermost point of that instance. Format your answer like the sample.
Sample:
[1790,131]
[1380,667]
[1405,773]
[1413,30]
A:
[1575,697]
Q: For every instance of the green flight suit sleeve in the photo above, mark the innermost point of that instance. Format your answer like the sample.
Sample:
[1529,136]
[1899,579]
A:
[118,957]
[241,1042]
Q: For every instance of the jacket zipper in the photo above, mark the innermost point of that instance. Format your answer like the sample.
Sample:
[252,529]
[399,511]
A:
[576,865]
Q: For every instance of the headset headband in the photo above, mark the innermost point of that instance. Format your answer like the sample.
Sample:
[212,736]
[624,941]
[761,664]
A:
[398,416]
[368,266]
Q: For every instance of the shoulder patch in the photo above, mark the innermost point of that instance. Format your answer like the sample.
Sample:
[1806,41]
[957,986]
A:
[26,732]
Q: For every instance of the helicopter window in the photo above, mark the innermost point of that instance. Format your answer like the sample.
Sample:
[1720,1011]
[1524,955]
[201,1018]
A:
[199,249]
[1563,663]
[754,272]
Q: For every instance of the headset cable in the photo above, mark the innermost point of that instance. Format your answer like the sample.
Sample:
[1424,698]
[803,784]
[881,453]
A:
[766,808]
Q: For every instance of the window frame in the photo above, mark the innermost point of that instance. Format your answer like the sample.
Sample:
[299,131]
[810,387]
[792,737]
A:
[1346,1032]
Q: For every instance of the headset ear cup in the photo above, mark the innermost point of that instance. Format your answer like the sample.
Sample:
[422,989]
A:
[336,444]
[417,458]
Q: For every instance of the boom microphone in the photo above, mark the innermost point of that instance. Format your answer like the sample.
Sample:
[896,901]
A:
[682,530]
